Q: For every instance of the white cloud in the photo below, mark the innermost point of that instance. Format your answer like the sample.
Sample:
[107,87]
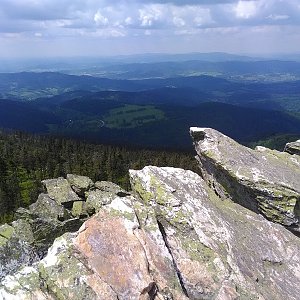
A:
[246,9]
[150,15]
[173,20]
[187,32]
[178,22]
[128,21]
[100,19]
[102,33]
[11,35]
[190,16]
[278,17]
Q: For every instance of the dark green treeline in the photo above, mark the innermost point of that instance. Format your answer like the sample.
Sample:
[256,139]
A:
[27,159]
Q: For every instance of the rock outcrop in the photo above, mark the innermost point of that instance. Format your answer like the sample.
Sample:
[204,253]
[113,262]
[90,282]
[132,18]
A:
[293,148]
[262,180]
[176,236]
[64,208]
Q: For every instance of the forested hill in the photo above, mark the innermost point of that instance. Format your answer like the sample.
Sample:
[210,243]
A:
[27,159]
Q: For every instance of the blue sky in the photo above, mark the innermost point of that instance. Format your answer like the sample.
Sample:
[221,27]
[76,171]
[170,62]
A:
[41,28]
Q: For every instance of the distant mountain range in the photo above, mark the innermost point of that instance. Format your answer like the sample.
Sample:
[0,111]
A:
[80,65]
[187,91]
[266,70]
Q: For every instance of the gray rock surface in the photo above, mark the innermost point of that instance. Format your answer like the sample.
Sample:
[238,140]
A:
[59,211]
[265,181]
[16,247]
[104,193]
[47,208]
[293,148]
[174,239]
[80,184]
[219,247]
[60,190]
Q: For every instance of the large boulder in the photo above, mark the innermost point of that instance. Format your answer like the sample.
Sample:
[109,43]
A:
[80,184]
[293,147]
[110,257]
[220,249]
[60,190]
[262,180]
[128,262]
[16,247]
[47,208]
[48,220]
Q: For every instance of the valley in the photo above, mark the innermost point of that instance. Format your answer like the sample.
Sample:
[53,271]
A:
[133,111]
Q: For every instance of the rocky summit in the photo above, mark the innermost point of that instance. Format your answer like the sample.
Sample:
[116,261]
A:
[229,233]
[262,180]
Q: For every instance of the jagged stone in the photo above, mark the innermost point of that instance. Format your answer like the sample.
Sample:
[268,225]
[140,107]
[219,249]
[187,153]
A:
[23,213]
[265,181]
[174,240]
[25,285]
[27,240]
[60,190]
[24,230]
[112,188]
[16,247]
[64,272]
[104,194]
[80,184]
[137,271]
[6,232]
[29,237]
[220,249]
[79,209]
[45,231]
[293,147]
[96,199]
[110,257]
[47,208]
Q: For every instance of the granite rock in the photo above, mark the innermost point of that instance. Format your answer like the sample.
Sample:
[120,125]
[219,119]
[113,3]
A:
[262,180]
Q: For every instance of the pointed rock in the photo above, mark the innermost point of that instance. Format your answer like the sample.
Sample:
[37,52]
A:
[265,181]
[293,148]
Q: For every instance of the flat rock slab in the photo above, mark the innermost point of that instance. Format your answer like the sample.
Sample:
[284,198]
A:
[60,190]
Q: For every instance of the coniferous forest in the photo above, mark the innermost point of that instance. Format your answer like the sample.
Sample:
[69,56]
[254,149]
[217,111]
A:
[27,159]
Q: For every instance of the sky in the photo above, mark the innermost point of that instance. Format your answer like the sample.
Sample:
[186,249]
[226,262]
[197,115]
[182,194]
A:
[60,28]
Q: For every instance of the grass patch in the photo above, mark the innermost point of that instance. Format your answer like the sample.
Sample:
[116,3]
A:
[131,116]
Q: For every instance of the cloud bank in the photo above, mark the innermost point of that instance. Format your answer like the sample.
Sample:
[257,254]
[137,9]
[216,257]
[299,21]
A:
[171,25]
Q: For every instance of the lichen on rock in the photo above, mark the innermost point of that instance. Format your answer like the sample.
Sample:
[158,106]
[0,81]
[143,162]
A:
[80,184]
[265,181]
[228,248]
[60,190]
